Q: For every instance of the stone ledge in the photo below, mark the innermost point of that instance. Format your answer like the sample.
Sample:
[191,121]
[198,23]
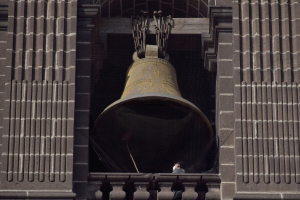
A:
[160,177]
[268,195]
[160,185]
[37,195]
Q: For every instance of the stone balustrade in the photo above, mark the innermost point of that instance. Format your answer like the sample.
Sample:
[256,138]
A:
[142,186]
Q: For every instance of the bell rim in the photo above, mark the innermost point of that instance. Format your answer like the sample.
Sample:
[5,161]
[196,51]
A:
[141,97]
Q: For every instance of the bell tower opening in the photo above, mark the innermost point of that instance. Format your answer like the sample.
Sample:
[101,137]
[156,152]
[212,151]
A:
[195,83]
[145,116]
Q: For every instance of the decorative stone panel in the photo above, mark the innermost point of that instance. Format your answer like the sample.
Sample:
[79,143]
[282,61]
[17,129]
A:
[268,145]
[266,78]
[38,118]
[38,131]
[268,32]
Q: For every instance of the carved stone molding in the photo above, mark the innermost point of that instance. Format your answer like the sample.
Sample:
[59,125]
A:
[38,136]
[220,21]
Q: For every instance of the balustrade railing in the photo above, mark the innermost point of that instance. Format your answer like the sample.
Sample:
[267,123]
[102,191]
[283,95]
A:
[141,186]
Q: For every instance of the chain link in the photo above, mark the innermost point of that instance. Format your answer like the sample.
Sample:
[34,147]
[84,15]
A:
[139,32]
[162,31]
[163,28]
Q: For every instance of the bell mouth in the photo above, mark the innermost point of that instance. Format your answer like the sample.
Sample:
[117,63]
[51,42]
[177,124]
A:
[157,130]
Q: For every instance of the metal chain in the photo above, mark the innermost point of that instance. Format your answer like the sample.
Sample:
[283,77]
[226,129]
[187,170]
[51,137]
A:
[139,31]
[163,28]
[162,31]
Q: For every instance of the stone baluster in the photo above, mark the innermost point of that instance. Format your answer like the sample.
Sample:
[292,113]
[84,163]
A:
[189,193]
[98,194]
[121,186]
[165,191]
[141,192]
[117,193]
[153,194]
[153,190]
[213,191]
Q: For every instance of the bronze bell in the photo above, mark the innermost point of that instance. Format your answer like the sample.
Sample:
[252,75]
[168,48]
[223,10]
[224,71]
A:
[151,126]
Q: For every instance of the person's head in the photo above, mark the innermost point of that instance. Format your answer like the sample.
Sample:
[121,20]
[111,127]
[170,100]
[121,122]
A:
[177,165]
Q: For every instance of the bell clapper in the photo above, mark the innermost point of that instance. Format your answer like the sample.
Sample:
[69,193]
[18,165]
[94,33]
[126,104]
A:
[131,157]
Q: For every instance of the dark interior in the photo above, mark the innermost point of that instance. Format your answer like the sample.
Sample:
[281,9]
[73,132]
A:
[196,84]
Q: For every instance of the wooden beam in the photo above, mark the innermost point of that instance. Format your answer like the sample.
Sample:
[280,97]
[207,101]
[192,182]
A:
[180,25]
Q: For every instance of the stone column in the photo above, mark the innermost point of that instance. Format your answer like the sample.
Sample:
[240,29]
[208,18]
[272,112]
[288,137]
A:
[87,31]
[220,59]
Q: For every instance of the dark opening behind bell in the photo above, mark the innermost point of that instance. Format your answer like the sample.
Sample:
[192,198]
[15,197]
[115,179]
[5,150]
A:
[151,121]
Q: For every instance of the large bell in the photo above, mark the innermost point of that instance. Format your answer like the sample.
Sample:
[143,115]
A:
[152,122]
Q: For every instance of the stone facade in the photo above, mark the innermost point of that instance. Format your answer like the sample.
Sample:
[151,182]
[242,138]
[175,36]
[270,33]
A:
[265,41]
[38,97]
[51,53]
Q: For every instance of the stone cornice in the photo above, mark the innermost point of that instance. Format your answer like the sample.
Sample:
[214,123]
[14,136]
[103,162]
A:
[220,21]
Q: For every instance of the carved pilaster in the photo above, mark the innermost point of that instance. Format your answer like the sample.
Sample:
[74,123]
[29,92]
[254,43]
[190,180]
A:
[39,97]
[266,75]
[269,138]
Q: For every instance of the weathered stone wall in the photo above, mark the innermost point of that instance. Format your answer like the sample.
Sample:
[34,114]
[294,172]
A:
[86,33]
[266,78]
[253,48]
[218,54]
[3,30]
[38,126]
